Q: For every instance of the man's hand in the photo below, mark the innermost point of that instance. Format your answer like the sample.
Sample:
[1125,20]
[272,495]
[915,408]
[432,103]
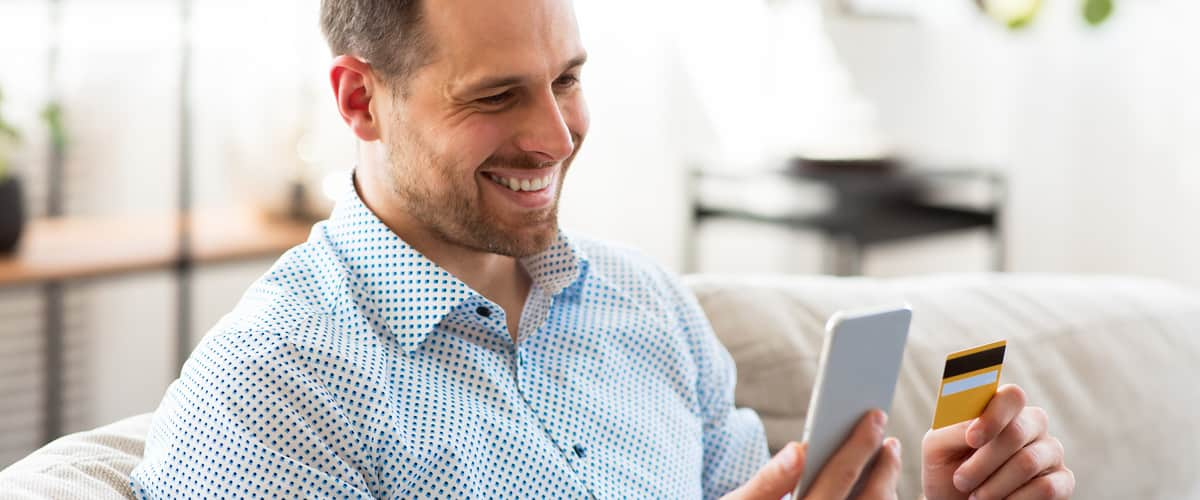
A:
[781,474]
[1005,453]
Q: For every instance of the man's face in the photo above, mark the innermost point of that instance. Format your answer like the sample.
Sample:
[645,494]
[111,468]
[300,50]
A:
[480,140]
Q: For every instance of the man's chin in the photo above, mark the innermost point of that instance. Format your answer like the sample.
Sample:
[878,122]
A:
[531,242]
[523,240]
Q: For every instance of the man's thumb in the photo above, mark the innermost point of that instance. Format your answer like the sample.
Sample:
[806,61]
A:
[777,478]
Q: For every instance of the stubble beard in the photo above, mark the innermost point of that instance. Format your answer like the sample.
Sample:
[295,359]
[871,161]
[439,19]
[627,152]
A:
[456,215]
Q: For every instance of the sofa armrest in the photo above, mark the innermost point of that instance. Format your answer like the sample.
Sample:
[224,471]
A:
[94,464]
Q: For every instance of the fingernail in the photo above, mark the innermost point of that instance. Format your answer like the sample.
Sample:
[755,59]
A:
[894,445]
[974,437]
[961,484]
[973,497]
[790,457]
[880,418]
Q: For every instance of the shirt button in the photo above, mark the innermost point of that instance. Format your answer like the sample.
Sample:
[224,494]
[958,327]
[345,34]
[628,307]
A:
[483,311]
[580,451]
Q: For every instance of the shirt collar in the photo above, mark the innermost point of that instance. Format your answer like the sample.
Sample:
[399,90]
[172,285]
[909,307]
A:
[397,286]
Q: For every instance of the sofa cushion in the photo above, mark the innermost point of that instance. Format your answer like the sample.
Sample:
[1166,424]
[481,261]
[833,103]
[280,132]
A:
[95,464]
[1113,361]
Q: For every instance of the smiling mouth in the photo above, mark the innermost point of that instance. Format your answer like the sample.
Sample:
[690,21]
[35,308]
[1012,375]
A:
[520,185]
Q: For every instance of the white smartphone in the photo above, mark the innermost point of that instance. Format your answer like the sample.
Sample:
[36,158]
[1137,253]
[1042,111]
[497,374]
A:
[859,365]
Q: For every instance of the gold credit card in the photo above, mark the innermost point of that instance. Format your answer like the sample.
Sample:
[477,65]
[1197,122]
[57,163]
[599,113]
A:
[968,383]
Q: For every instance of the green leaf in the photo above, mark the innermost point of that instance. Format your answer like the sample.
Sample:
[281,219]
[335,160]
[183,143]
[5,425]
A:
[53,116]
[1017,24]
[9,138]
[1096,12]
[9,131]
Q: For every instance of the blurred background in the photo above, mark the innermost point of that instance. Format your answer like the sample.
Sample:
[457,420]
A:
[157,156]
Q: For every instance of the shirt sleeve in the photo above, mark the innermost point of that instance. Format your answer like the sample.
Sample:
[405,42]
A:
[249,416]
[735,445]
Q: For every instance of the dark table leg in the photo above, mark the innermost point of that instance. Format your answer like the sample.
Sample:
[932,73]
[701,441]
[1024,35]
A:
[999,236]
[52,361]
[183,313]
[691,240]
[999,250]
[846,254]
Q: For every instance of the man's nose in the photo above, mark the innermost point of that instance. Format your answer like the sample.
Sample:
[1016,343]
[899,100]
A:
[545,132]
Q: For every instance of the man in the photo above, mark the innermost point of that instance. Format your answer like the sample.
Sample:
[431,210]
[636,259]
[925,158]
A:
[440,336]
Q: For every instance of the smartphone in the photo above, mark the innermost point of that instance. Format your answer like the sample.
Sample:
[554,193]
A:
[859,365]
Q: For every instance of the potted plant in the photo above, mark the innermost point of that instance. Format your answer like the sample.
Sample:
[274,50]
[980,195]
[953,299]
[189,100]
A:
[12,210]
[1017,14]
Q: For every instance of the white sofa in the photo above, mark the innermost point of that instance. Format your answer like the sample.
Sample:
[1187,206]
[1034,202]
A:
[1113,360]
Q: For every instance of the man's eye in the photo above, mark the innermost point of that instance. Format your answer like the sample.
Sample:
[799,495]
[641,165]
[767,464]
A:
[495,100]
[566,81]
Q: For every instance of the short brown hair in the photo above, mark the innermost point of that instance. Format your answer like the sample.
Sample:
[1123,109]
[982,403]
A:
[386,33]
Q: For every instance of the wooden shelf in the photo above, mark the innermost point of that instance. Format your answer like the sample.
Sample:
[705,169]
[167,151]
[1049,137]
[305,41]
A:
[72,248]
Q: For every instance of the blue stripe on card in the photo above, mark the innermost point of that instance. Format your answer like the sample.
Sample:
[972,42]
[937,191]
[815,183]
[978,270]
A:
[969,383]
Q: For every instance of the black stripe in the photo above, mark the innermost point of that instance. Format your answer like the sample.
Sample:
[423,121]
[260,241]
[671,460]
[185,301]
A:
[972,362]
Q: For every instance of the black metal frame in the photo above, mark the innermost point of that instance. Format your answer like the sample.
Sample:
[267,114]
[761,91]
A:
[869,209]
[185,264]
[53,293]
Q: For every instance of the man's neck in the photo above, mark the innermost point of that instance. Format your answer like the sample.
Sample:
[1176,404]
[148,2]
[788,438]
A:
[500,278]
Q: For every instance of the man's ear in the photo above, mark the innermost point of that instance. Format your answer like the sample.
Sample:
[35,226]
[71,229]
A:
[354,88]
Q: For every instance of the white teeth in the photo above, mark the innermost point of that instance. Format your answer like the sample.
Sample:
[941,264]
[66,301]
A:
[522,184]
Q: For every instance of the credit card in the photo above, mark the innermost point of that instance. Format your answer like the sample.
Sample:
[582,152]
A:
[968,383]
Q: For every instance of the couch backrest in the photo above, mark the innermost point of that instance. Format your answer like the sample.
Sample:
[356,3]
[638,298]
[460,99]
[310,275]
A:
[1113,361]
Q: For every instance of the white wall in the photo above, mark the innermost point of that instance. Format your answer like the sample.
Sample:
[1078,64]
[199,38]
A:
[1095,127]
[625,183]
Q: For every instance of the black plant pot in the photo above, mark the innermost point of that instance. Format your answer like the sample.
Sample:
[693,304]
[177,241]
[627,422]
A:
[12,213]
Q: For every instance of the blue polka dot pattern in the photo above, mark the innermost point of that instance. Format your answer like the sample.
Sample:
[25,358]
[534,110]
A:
[356,367]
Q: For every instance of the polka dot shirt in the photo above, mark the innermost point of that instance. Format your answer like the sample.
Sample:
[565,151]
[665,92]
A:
[358,368]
